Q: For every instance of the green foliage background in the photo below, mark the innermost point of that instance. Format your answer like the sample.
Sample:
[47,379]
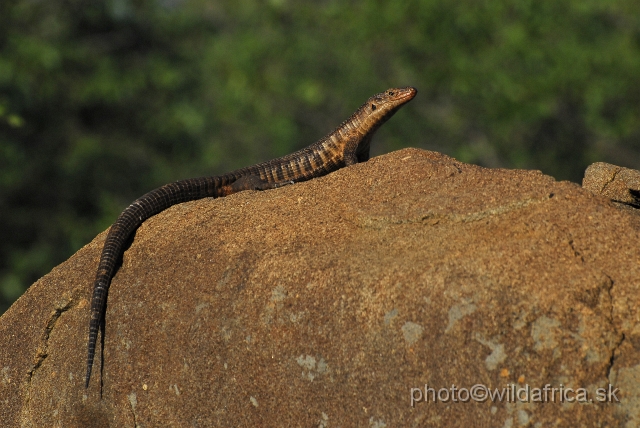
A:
[102,101]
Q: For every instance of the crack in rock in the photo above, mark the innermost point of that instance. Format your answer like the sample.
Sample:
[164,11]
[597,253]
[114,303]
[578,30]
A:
[613,357]
[616,348]
[42,351]
[611,180]
[630,204]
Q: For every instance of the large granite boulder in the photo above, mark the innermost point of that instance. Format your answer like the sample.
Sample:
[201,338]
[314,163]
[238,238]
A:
[354,300]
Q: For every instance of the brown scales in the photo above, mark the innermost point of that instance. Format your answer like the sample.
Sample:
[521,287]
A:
[346,145]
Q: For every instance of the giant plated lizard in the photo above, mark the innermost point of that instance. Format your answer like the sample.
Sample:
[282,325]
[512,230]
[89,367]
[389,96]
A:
[348,144]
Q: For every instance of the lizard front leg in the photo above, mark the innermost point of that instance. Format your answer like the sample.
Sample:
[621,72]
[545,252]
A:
[350,154]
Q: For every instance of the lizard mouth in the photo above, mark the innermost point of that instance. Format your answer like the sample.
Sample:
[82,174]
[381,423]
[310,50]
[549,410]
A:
[406,93]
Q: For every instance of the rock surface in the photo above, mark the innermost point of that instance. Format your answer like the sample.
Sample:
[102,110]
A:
[324,303]
[621,185]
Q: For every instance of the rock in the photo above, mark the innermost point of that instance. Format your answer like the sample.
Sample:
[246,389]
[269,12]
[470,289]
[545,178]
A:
[621,185]
[345,301]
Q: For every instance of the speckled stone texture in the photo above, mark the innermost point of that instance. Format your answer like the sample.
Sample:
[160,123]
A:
[324,303]
[621,185]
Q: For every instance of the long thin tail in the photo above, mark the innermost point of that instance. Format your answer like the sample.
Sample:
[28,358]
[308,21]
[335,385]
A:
[128,221]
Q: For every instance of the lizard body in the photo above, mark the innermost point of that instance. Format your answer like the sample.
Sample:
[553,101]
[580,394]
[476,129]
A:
[346,145]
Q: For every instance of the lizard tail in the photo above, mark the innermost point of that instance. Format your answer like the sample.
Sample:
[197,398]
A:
[128,221]
[99,293]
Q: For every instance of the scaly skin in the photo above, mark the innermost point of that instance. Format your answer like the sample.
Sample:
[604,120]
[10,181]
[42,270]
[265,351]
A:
[346,145]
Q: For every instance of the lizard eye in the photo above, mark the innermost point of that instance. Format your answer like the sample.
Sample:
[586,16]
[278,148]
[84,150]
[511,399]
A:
[390,93]
[373,107]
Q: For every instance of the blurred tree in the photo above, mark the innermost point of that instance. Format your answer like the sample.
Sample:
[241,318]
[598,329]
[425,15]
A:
[102,101]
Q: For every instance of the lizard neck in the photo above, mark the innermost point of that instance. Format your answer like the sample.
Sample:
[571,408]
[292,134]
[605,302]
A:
[359,128]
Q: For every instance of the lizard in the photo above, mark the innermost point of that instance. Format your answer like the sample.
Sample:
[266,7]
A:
[348,144]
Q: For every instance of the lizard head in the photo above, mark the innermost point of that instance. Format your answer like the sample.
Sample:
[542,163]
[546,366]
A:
[380,107]
[390,99]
